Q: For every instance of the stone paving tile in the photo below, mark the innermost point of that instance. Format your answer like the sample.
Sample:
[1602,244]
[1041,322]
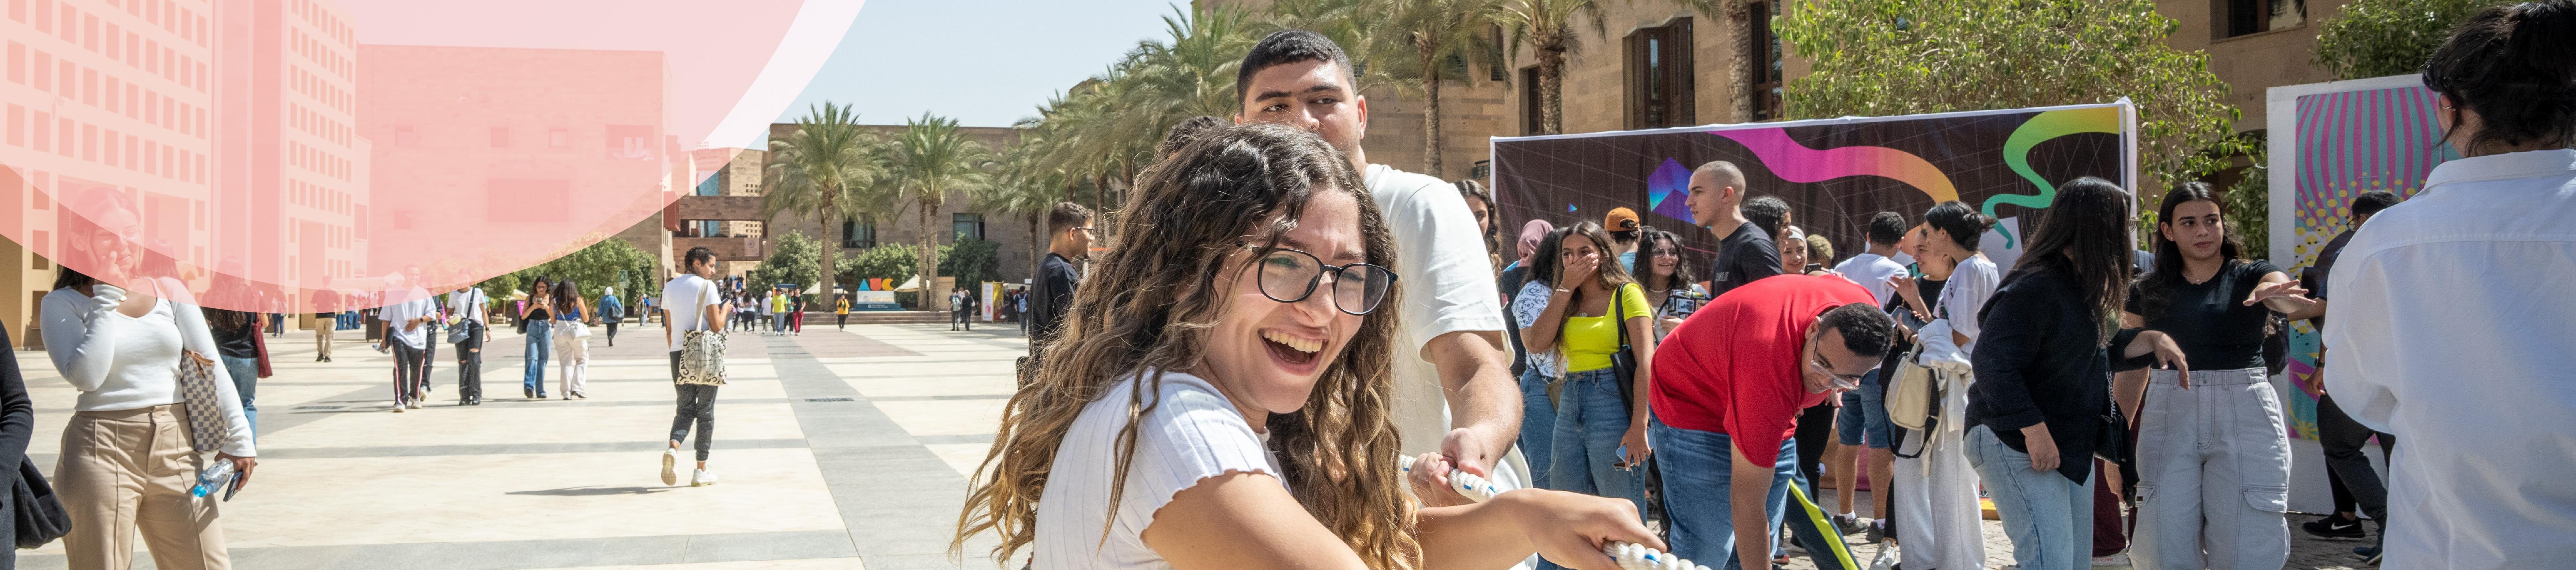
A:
[2306,552]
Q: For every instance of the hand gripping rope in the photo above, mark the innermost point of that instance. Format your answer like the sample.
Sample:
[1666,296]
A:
[1630,556]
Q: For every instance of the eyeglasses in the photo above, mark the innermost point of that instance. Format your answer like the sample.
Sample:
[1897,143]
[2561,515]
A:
[1841,381]
[1289,276]
[1087,229]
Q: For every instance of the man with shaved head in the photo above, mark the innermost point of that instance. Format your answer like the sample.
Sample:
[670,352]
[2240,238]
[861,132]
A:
[1745,252]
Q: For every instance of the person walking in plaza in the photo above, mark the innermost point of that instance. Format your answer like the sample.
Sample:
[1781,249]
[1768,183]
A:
[2044,357]
[407,334]
[325,323]
[2356,486]
[1288,326]
[537,321]
[237,344]
[841,312]
[127,459]
[573,317]
[2213,450]
[472,309]
[2448,325]
[1455,392]
[797,309]
[691,305]
[1861,425]
[1599,440]
[611,312]
[772,314]
[1937,486]
[960,309]
[1728,385]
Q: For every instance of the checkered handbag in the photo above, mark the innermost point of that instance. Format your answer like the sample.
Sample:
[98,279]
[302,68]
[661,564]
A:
[702,358]
[207,423]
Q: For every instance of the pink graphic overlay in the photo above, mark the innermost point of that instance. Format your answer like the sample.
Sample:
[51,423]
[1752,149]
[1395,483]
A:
[316,155]
[1796,163]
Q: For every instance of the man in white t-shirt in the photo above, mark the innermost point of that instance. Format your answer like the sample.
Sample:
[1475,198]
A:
[1455,393]
[1872,268]
[690,302]
[407,333]
[468,306]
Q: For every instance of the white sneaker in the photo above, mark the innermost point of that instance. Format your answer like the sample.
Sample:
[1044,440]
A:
[701,478]
[398,407]
[415,404]
[2115,560]
[670,461]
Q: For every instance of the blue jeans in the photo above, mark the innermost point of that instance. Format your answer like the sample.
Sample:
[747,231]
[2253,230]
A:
[2048,517]
[1864,413]
[1589,423]
[245,372]
[1699,472]
[541,344]
[1538,425]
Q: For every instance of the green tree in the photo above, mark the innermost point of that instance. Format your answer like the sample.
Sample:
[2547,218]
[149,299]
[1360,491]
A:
[1890,57]
[1433,32]
[894,261]
[927,161]
[1027,190]
[593,268]
[2377,38]
[793,258]
[826,171]
[971,261]
[1548,27]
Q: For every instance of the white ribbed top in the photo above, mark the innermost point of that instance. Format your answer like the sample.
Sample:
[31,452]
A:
[1192,434]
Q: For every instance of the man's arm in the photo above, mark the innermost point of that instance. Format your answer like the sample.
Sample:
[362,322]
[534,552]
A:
[1475,377]
[1750,486]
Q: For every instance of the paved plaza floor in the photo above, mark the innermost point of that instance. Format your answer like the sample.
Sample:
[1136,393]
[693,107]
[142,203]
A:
[837,449]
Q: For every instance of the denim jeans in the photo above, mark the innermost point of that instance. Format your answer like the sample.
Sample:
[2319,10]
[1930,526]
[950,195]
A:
[2048,517]
[245,373]
[1699,473]
[1863,420]
[1538,425]
[540,348]
[2213,473]
[1589,424]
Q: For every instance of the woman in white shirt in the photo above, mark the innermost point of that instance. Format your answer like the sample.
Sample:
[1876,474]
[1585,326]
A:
[1939,483]
[1217,399]
[127,458]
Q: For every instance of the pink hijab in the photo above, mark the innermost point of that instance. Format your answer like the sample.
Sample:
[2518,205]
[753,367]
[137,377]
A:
[1532,233]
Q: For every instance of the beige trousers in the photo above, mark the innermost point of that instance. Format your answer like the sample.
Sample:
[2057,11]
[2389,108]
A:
[322,339]
[126,470]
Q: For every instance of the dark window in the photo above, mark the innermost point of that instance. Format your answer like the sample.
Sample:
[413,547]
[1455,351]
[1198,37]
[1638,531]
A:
[968,226]
[1766,72]
[1500,68]
[2246,17]
[856,234]
[1659,76]
[1531,107]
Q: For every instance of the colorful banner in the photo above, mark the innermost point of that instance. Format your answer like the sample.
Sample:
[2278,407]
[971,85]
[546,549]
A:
[2331,142]
[1834,173]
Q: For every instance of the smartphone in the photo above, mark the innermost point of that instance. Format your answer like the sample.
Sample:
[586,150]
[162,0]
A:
[232,487]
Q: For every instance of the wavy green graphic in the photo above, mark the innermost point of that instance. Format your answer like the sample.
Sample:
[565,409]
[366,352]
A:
[2048,125]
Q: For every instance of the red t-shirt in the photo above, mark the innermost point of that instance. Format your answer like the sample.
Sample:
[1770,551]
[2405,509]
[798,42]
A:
[1733,367]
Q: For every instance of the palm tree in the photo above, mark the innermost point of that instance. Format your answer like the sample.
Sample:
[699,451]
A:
[1024,188]
[1432,31]
[826,171]
[929,159]
[1546,25]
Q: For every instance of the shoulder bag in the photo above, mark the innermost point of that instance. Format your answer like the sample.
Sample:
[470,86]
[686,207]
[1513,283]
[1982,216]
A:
[207,424]
[1624,362]
[702,357]
[39,515]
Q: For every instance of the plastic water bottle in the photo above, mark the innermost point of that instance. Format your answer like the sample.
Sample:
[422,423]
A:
[212,478]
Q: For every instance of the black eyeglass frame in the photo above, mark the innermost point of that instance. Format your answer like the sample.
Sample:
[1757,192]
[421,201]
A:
[1321,270]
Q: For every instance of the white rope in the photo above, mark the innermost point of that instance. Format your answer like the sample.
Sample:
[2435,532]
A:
[1630,556]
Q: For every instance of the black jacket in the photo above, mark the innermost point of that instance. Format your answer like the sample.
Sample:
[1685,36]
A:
[2036,360]
[1054,297]
[17,425]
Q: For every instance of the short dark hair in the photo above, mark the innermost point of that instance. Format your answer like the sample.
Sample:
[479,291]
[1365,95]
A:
[1285,47]
[699,255]
[1961,220]
[2370,203]
[1866,330]
[1768,212]
[1886,228]
[1066,215]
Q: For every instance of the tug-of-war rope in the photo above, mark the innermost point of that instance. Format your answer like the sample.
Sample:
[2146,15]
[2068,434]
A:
[1630,556]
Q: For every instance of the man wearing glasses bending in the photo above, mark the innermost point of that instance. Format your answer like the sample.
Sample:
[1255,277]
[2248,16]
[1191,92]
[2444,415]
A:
[1729,382]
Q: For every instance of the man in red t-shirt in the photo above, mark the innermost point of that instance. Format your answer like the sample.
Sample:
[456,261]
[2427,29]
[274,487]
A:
[1728,385]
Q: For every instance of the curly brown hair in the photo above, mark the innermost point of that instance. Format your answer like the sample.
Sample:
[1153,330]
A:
[1146,306]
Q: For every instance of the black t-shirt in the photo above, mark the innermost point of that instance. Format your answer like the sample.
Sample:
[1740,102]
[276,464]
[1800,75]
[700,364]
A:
[1743,257]
[2314,278]
[2210,320]
[1056,280]
[1511,282]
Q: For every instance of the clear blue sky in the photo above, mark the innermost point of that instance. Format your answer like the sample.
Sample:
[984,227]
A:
[985,63]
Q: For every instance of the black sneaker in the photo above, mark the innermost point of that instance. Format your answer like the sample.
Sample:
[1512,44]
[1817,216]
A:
[2335,527]
[2369,554]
